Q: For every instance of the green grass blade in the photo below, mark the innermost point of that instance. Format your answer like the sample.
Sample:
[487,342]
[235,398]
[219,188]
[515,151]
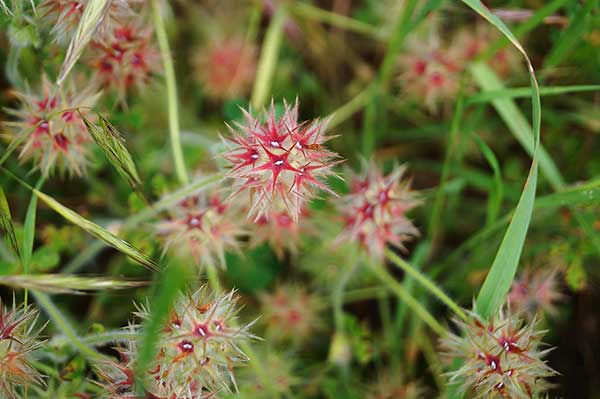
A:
[435,219]
[521,92]
[29,232]
[503,269]
[338,20]
[537,18]
[66,284]
[168,285]
[568,40]
[91,227]
[495,197]
[268,58]
[487,79]
[171,83]
[97,231]
[7,228]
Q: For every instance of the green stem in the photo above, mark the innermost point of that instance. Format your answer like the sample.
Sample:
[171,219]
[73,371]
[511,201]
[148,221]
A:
[61,322]
[438,203]
[425,282]
[335,19]
[165,52]
[213,278]
[410,301]
[338,298]
[351,107]
[268,59]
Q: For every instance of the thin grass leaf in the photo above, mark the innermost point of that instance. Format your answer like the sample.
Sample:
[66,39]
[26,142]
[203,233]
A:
[568,40]
[537,18]
[521,92]
[63,324]
[433,227]
[335,19]
[487,80]
[503,269]
[268,59]
[495,197]
[29,234]
[99,232]
[66,284]
[93,15]
[195,187]
[173,107]
[112,143]
[91,227]
[7,228]
[171,281]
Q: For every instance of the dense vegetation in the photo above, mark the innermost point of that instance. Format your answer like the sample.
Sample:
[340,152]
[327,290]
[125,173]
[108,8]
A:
[299,199]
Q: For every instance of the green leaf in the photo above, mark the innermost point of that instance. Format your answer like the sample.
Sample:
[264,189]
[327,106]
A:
[503,269]
[7,228]
[44,258]
[268,59]
[495,197]
[66,284]
[112,143]
[575,276]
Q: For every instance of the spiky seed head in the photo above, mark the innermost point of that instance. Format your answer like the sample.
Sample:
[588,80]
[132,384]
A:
[467,44]
[125,58]
[203,226]
[226,67]
[279,367]
[375,210]
[429,74]
[502,357]
[49,129]
[198,346]
[535,291]
[19,338]
[281,231]
[279,163]
[290,313]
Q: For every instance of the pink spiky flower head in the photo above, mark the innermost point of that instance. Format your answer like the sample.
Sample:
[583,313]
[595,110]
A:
[501,357]
[198,349]
[226,67]
[468,44]
[204,227]
[375,210]
[429,73]
[50,130]
[536,290]
[125,58]
[281,231]
[64,16]
[290,313]
[280,163]
[18,339]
